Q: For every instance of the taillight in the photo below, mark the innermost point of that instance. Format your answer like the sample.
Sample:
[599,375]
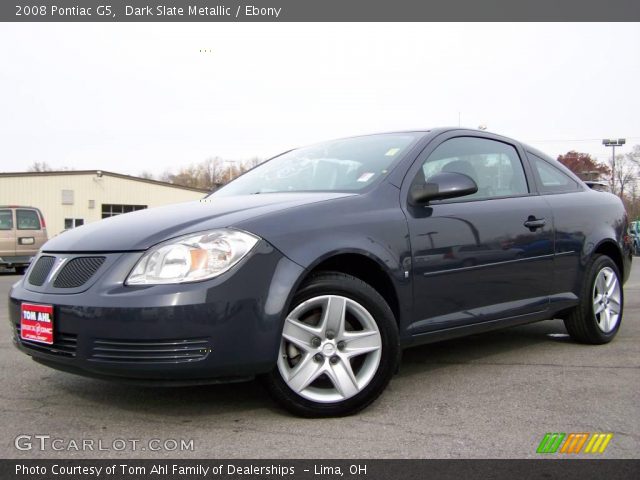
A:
[43,224]
[449,255]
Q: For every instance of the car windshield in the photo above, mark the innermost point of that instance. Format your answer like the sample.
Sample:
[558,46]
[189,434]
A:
[349,164]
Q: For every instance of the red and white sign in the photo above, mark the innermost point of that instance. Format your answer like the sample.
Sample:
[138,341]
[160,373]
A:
[36,323]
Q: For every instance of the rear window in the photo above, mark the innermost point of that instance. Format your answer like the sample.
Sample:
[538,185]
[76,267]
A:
[6,219]
[27,220]
[553,180]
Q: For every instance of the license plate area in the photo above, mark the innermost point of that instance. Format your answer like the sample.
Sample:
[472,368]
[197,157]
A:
[36,323]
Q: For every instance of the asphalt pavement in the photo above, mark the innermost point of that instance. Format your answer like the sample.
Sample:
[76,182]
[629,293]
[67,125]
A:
[493,395]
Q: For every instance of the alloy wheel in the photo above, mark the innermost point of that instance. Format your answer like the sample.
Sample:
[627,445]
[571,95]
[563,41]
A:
[606,300]
[330,349]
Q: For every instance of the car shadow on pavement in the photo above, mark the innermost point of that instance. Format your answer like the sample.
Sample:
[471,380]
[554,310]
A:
[500,346]
[183,401]
[235,398]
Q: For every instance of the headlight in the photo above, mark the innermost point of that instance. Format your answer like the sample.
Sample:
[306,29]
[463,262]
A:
[192,257]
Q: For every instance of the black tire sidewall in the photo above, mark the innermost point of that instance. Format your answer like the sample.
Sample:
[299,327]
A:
[344,285]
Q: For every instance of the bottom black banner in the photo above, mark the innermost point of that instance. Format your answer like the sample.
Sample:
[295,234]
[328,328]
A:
[318,469]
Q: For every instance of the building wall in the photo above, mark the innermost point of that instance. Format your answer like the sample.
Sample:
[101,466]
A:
[45,193]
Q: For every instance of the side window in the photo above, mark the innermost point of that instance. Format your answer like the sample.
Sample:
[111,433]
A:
[6,220]
[494,166]
[552,180]
[27,220]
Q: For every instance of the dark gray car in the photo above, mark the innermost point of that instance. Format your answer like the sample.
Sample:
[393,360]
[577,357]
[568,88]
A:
[316,268]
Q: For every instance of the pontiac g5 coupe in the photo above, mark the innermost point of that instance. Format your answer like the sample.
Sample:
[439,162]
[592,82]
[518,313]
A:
[316,268]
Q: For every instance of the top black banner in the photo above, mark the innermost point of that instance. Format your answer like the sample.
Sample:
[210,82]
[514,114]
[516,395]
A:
[319,10]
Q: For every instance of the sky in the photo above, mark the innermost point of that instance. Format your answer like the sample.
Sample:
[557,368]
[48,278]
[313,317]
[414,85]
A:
[151,97]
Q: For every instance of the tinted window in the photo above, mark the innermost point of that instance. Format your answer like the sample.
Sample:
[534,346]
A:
[494,166]
[6,219]
[349,164]
[27,220]
[110,210]
[552,180]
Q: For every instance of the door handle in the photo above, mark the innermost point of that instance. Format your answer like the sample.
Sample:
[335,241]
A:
[534,223]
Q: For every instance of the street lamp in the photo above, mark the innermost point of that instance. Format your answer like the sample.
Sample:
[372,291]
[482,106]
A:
[613,143]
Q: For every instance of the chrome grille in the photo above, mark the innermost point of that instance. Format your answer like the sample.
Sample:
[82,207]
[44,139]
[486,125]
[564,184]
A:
[77,272]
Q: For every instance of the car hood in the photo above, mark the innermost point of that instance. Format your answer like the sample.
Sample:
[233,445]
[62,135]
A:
[145,228]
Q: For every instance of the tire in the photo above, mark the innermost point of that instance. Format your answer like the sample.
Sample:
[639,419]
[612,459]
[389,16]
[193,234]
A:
[20,270]
[319,372]
[584,323]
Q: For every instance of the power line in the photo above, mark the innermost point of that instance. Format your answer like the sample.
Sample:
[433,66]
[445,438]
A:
[580,140]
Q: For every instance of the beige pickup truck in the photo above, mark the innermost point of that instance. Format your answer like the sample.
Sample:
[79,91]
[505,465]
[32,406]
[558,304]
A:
[22,233]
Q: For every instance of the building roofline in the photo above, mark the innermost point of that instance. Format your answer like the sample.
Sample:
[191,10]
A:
[55,173]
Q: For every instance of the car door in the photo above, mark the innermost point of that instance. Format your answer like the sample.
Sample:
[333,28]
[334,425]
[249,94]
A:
[7,233]
[485,256]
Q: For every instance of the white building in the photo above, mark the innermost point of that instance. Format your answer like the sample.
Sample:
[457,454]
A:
[69,199]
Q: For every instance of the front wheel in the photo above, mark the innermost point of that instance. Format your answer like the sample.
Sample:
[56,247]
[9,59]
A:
[339,348]
[597,318]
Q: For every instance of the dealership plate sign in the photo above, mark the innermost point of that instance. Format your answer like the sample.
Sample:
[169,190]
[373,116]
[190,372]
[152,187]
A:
[36,323]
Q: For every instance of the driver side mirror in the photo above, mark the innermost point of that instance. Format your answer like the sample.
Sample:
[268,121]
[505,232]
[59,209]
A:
[441,186]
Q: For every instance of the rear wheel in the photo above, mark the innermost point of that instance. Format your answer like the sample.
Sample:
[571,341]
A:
[339,348]
[597,319]
[20,270]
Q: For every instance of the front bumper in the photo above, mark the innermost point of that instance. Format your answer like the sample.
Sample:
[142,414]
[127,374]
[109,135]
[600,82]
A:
[225,328]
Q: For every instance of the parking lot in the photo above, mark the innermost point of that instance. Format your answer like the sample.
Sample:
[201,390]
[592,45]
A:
[491,395]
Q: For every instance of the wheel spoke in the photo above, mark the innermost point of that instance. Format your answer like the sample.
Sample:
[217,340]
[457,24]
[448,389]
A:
[359,343]
[607,320]
[304,373]
[598,308]
[610,282]
[601,284]
[333,315]
[598,298]
[614,305]
[342,376]
[298,333]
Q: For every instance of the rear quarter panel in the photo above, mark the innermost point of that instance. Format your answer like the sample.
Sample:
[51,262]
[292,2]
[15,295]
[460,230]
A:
[583,222]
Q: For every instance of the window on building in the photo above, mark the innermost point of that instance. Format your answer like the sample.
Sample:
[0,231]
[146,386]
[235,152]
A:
[110,210]
[67,197]
[73,223]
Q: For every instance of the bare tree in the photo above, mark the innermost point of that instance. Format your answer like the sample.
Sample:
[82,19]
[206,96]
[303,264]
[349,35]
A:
[625,170]
[211,172]
[40,167]
[146,174]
